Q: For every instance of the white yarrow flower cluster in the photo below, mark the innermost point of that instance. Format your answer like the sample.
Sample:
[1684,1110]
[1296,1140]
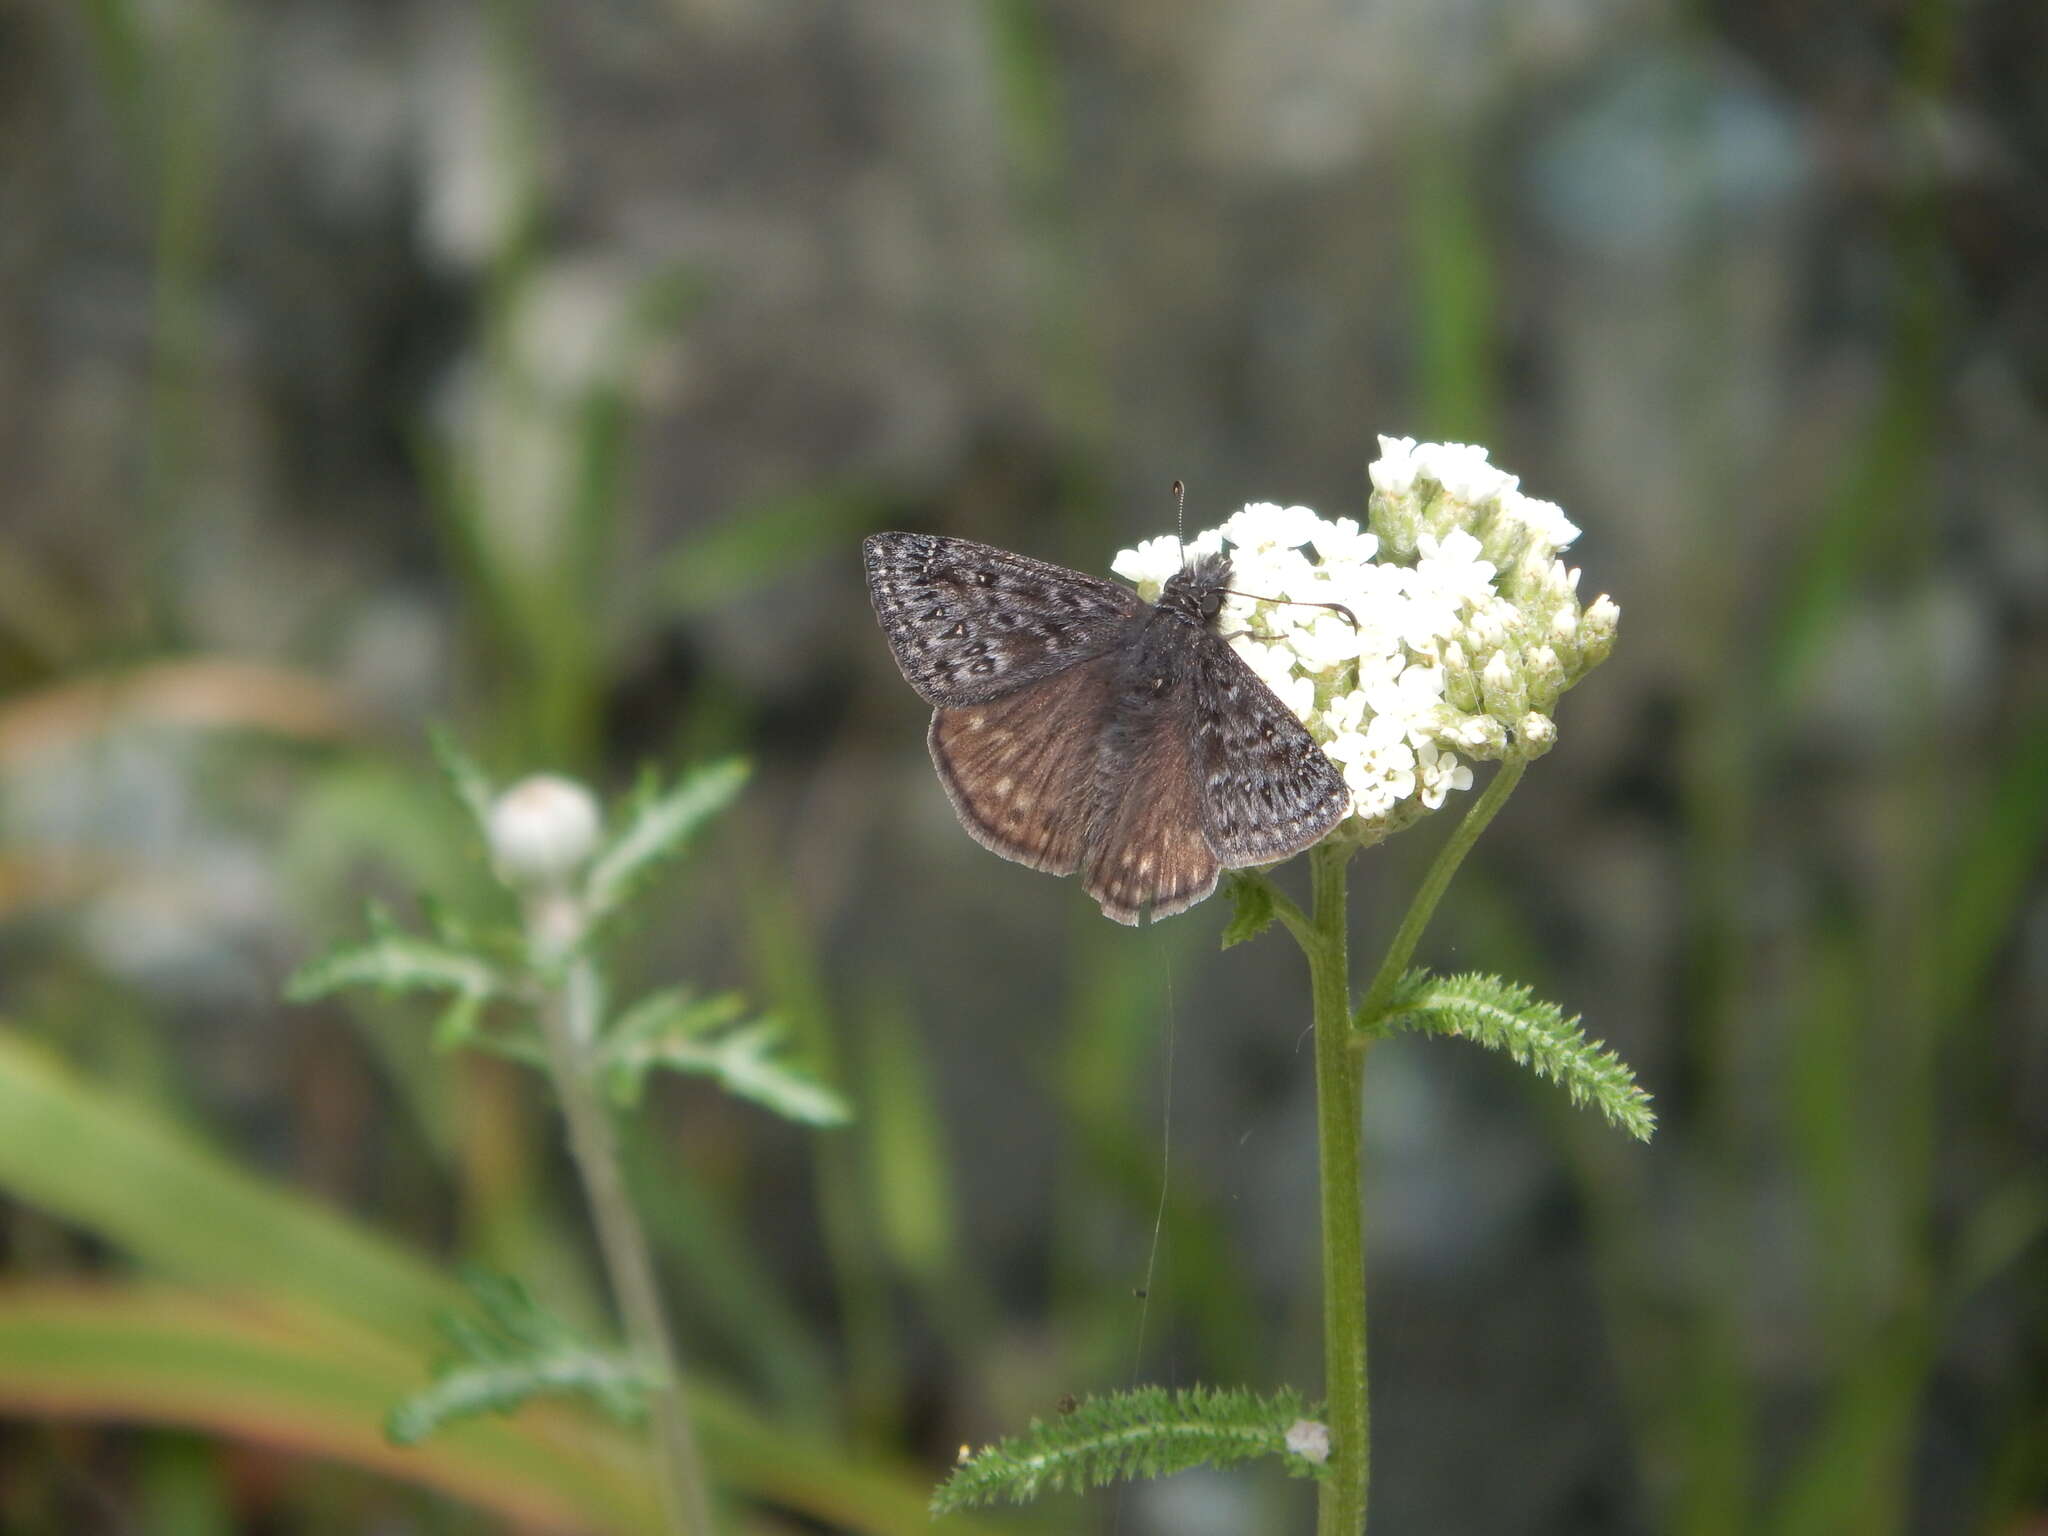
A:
[1468,629]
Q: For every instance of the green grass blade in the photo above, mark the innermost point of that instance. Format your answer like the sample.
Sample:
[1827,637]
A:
[122,1170]
[759,544]
[125,1173]
[136,1354]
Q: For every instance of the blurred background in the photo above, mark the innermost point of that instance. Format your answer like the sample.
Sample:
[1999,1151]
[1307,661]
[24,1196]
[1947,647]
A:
[536,369]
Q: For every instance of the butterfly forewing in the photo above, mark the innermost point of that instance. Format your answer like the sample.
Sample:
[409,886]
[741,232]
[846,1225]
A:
[1267,790]
[969,622]
[1020,770]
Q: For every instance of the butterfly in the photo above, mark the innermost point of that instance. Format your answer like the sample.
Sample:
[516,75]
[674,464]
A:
[1078,728]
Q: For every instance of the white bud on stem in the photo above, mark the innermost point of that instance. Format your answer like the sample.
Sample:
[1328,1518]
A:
[1507,696]
[542,831]
[1596,629]
[1545,674]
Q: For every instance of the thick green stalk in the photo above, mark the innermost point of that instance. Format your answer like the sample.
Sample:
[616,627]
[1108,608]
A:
[1323,935]
[569,1020]
[1341,1511]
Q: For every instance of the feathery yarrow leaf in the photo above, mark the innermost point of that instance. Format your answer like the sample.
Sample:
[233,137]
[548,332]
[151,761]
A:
[507,1352]
[658,823]
[396,962]
[673,1030]
[471,787]
[1149,1432]
[1505,1016]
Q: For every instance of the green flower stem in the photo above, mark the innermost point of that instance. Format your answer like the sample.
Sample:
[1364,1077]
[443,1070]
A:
[570,1016]
[1341,1036]
[1341,1510]
[1372,1012]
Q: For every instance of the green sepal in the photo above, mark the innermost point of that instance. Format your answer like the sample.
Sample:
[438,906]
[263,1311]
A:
[1252,909]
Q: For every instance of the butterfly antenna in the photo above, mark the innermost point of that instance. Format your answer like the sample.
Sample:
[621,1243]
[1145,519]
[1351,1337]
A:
[1180,518]
[1294,602]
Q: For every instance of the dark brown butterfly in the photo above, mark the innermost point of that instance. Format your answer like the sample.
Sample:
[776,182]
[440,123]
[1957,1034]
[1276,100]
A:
[1079,727]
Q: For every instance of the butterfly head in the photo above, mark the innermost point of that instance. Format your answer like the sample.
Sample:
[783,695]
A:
[1195,592]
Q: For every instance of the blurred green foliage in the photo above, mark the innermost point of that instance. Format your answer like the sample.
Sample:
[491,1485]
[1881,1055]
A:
[1792,864]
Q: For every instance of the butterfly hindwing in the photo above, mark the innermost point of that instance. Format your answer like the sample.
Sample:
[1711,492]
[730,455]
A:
[1020,770]
[1267,790]
[1148,854]
[969,622]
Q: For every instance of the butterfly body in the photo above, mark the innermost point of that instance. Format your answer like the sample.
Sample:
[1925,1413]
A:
[1078,728]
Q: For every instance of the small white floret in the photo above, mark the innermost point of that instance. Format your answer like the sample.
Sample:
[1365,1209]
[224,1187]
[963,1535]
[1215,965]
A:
[1151,563]
[1462,470]
[1545,520]
[1310,1440]
[1393,472]
[1536,732]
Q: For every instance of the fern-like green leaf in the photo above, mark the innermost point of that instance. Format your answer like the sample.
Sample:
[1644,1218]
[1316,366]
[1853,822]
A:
[1150,1432]
[658,824]
[397,962]
[471,787]
[1252,913]
[509,1351]
[1504,1016]
[673,1030]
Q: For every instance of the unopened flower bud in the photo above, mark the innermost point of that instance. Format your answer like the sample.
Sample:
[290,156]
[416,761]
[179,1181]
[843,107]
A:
[1395,519]
[1596,630]
[1486,626]
[1393,472]
[1545,674]
[542,830]
[1536,733]
[1461,684]
[1507,695]
[1479,736]
[1506,543]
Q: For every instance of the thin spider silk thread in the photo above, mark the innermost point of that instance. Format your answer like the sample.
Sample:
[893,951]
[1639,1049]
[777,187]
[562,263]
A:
[1159,1213]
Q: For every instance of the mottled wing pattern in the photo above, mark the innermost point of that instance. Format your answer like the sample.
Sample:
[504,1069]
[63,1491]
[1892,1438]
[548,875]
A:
[969,622]
[1147,855]
[1266,789]
[1020,770]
